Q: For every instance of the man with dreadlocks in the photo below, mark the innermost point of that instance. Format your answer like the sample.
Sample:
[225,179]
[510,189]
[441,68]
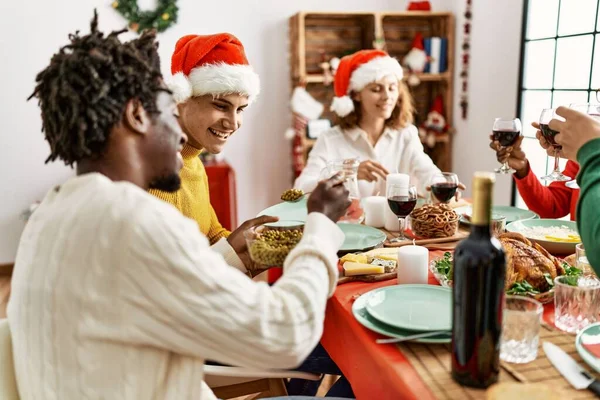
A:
[116,295]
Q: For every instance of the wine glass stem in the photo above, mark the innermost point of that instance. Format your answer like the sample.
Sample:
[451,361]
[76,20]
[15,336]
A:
[556,161]
[401,226]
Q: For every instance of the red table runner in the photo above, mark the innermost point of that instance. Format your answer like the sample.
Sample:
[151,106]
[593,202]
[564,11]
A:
[375,371]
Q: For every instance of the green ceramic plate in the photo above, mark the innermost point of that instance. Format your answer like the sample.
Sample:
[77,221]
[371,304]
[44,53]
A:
[512,214]
[589,335]
[288,210]
[358,237]
[413,307]
[362,316]
[553,247]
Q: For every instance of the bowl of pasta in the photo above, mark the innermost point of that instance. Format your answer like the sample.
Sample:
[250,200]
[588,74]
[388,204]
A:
[434,221]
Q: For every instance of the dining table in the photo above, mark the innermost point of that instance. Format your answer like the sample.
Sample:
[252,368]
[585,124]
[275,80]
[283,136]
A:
[394,372]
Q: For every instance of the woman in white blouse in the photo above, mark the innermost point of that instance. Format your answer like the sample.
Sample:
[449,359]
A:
[376,115]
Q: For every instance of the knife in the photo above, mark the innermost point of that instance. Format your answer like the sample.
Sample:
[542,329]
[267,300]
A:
[568,367]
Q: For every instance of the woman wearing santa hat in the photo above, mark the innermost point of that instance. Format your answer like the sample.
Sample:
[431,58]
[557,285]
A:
[213,83]
[375,126]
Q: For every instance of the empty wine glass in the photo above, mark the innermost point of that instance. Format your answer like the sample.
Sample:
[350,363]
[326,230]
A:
[591,109]
[444,186]
[506,132]
[546,116]
[402,199]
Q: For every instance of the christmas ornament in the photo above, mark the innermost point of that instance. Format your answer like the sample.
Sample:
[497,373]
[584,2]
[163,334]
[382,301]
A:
[161,18]
[304,104]
[419,6]
[415,60]
[465,58]
[435,125]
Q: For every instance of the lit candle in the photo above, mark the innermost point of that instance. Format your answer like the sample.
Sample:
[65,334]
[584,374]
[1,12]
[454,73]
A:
[374,211]
[412,264]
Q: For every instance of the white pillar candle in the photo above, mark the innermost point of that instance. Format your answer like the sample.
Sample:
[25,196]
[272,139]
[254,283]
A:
[402,180]
[391,220]
[398,179]
[374,211]
[412,264]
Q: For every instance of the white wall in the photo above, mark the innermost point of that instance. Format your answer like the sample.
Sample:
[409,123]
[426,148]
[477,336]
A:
[493,85]
[258,152]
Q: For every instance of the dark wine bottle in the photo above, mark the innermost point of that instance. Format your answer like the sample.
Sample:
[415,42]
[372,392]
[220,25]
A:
[478,295]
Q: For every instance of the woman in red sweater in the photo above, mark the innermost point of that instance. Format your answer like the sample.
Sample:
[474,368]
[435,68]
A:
[553,201]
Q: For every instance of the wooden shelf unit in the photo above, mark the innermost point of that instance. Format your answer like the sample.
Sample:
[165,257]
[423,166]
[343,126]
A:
[319,36]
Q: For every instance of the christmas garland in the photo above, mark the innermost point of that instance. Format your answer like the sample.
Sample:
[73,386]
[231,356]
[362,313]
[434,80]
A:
[161,18]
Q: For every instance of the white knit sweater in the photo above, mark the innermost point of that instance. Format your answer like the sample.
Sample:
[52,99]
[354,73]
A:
[116,295]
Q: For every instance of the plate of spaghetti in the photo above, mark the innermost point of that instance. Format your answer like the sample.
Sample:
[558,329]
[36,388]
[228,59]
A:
[434,221]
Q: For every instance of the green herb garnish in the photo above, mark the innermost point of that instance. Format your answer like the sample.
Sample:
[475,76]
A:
[549,280]
[522,288]
[571,276]
[444,265]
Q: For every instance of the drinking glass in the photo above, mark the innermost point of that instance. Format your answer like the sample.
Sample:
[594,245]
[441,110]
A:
[349,168]
[402,199]
[506,132]
[520,329]
[582,261]
[576,302]
[545,117]
[498,224]
[444,186]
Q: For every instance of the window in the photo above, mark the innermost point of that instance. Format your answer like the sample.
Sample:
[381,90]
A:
[561,65]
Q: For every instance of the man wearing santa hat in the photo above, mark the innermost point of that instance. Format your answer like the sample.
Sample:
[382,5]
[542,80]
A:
[213,83]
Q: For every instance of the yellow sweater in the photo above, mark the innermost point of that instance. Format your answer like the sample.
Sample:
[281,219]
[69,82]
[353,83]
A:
[193,199]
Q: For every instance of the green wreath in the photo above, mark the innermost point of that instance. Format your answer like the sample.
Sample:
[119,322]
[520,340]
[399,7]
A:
[161,18]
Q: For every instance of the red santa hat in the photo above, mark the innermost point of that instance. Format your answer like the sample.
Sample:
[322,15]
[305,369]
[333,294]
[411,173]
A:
[417,42]
[356,71]
[438,105]
[211,64]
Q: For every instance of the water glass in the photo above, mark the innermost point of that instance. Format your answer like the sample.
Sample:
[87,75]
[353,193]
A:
[520,329]
[576,302]
[582,262]
[498,225]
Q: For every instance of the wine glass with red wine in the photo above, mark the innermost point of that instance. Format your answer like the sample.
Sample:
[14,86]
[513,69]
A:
[402,199]
[506,132]
[547,115]
[444,186]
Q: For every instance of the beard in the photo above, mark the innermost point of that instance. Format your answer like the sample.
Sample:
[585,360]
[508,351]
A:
[167,183]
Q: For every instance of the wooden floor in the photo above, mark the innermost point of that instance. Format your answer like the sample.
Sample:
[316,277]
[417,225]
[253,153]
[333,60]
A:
[4,293]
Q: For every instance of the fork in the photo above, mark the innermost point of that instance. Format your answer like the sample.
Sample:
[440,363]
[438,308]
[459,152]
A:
[411,337]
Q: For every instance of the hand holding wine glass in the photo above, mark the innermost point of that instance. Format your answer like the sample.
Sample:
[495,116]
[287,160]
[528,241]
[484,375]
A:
[513,155]
[549,135]
[576,130]
[402,199]
[506,132]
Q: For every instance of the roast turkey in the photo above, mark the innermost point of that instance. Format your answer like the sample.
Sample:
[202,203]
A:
[526,261]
